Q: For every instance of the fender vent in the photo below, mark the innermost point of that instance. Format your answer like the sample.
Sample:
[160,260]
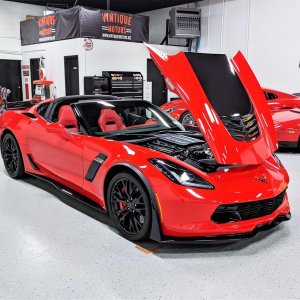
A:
[242,128]
[32,163]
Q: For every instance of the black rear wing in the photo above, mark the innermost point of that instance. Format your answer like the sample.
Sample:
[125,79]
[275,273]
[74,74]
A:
[19,105]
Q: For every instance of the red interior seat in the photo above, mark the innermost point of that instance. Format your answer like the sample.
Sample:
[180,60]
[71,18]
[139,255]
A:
[109,120]
[66,118]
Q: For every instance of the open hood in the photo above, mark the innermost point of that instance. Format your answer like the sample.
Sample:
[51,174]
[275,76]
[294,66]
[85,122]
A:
[226,101]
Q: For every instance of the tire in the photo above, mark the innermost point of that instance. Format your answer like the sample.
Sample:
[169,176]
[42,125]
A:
[12,157]
[185,116]
[129,207]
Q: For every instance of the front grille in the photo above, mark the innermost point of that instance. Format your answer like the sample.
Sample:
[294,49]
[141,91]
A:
[245,211]
[242,128]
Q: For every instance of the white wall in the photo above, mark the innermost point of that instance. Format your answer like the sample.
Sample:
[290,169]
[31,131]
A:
[11,13]
[235,26]
[106,55]
[54,54]
[274,43]
[266,31]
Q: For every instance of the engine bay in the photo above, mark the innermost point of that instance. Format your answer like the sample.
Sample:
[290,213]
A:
[190,148]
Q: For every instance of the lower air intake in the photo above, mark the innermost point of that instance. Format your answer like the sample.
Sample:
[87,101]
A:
[247,210]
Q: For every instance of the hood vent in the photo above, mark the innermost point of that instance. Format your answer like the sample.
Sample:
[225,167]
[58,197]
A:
[242,128]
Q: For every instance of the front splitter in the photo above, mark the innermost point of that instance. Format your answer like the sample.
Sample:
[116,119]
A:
[228,238]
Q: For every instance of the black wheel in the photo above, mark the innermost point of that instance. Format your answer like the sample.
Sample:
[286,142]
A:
[129,207]
[187,120]
[12,157]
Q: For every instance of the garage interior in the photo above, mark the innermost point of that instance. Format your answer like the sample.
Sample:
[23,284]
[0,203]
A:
[54,247]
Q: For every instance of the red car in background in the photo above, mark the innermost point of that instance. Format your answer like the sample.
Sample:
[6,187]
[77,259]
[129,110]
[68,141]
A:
[280,100]
[155,179]
[287,126]
[275,99]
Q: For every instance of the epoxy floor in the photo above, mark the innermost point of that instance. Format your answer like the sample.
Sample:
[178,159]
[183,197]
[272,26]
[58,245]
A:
[50,250]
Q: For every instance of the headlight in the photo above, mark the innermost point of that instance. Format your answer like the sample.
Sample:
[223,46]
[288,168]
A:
[170,110]
[180,175]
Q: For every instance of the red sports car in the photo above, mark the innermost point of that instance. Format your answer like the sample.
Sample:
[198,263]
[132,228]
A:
[287,126]
[155,179]
[275,99]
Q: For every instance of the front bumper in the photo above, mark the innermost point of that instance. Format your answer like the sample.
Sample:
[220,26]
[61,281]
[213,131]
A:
[185,216]
[227,238]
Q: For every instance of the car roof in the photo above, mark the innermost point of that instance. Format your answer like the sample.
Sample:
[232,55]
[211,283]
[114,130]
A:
[69,100]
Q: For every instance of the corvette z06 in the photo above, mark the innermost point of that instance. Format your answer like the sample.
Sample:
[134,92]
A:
[155,179]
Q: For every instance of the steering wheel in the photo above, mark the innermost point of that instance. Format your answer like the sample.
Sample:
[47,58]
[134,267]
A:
[138,119]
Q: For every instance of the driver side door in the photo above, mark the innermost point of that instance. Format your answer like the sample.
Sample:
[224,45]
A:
[57,152]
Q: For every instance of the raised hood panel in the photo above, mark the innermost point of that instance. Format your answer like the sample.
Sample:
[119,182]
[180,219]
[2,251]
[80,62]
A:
[226,101]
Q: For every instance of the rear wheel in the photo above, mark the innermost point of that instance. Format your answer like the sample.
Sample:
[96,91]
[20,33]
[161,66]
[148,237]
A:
[129,207]
[12,156]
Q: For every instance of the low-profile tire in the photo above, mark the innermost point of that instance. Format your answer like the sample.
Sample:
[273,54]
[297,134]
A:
[12,157]
[184,117]
[129,206]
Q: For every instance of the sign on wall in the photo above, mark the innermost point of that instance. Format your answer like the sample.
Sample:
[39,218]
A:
[83,22]
[88,44]
[47,30]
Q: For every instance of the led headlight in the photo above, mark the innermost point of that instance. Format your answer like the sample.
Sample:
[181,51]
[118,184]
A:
[180,175]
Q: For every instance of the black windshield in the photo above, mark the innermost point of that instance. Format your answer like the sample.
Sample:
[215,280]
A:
[123,117]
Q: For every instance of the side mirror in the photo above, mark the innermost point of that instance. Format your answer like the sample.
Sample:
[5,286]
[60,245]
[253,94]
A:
[59,129]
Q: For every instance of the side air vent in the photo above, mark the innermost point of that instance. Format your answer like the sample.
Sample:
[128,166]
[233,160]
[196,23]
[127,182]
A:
[242,128]
[29,115]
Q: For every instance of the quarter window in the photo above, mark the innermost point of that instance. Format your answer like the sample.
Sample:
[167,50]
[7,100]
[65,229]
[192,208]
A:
[41,110]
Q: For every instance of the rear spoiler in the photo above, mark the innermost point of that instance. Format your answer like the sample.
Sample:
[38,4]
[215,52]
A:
[19,104]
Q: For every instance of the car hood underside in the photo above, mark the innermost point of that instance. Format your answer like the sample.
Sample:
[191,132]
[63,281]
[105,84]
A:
[226,101]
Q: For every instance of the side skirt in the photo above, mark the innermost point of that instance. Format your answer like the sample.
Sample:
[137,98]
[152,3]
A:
[76,196]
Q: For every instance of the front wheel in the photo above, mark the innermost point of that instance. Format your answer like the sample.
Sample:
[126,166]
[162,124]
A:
[12,156]
[129,207]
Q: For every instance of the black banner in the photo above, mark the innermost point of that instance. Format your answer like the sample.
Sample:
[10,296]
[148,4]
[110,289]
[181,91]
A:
[85,22]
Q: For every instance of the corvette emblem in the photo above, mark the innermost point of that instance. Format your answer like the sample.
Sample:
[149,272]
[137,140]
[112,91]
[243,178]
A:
[262,179]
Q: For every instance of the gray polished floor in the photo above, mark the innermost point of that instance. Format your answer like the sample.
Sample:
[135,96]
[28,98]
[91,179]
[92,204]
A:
[49,249]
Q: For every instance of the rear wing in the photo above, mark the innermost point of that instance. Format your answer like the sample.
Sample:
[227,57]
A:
[19,105]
